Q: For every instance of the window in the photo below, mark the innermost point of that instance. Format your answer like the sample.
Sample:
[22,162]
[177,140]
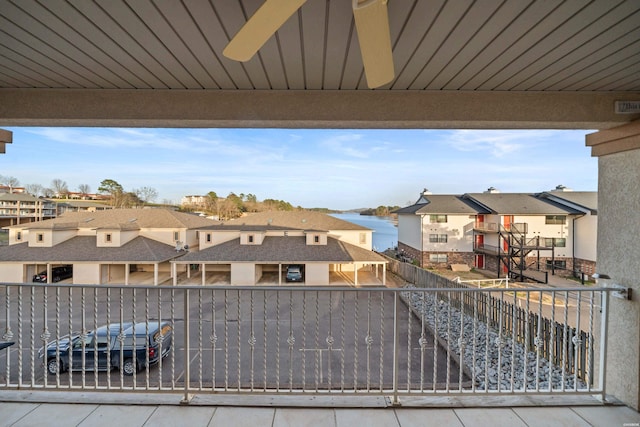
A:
[40,237]
[438,238]
[316,239]
[438,257]
[558,242]
[107,237]
[555,219]
[250,238]
[176,236]
[557,263]
[363,238]
[437,218]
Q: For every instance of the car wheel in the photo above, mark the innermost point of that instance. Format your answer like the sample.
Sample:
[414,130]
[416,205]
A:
[53,367]
[128,368]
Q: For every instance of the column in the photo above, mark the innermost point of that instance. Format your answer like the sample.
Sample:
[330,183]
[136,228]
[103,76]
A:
[618,252]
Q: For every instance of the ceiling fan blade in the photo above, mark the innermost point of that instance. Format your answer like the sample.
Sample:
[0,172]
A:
[372,25]
[262,25]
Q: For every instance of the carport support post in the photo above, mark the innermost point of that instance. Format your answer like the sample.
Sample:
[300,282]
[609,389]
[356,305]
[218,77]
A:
[187,397]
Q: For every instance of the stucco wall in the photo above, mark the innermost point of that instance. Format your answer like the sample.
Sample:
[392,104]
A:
[243,273]
[316,274]
[12,273]
[86,273]
[409,230]
[618,255]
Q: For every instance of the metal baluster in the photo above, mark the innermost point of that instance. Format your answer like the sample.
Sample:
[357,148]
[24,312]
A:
[8,334]
[422,341]
[565,338]
[278,340]
[70,290]
[187,347]
[135,345]
[264,332]
[200,352]
[381,362]
[95,349]
[226,340]
[213,339]
[589,374]
[355,340]
[109,338]
[343,335]
[329,340]
[120,339]
[461,341]
[291,340]
[474,341]
[304,340]
[577,341]
[45,333]
[538,341]
[436,329]
[396,348]
[238,327]
[32,334]
[160,344]
[252,340]
[58,335]
[526,341]
[147,343]
[318,359]
[514,316]
[409,343]
[368,341]
[173,347]
[83,334]
[552,340]
[448,380]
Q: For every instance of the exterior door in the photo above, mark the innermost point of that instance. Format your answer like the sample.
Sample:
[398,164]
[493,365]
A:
[479,261]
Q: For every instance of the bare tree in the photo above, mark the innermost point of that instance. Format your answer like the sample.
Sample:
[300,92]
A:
[10,182]
[84,190]
[146,194]
[35,189]
[60,187]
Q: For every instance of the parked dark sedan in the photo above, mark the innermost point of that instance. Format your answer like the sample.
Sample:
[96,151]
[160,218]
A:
[57,274]
[101,350]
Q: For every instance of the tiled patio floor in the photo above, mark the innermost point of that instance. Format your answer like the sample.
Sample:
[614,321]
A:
[78,410]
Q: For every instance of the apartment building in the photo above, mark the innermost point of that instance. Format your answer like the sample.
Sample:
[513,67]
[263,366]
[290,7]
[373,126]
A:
[515,234]
[21,208]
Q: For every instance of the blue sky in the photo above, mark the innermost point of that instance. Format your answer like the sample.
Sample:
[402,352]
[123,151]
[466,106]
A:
[338,169]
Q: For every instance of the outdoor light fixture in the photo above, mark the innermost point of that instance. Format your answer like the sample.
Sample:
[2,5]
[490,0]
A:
[622,292]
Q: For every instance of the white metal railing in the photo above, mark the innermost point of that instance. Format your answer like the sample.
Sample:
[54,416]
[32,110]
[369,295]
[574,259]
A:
[443,339]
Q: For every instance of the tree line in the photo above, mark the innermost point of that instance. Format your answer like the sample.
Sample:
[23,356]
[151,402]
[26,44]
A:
[235,205]
[118,196]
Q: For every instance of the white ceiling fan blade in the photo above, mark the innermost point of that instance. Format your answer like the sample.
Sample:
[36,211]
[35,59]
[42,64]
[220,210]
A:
[372,24]
[262,25]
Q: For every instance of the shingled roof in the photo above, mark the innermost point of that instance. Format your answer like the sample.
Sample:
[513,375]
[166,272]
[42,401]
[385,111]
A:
[83,248]
[443,204]
[123,219]
[289,220]
[286,249]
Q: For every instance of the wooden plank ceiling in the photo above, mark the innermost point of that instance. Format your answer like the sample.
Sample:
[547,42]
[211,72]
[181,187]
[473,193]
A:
[438,45]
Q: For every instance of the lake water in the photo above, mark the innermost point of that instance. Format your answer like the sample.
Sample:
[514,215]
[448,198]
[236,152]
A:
[385,231]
